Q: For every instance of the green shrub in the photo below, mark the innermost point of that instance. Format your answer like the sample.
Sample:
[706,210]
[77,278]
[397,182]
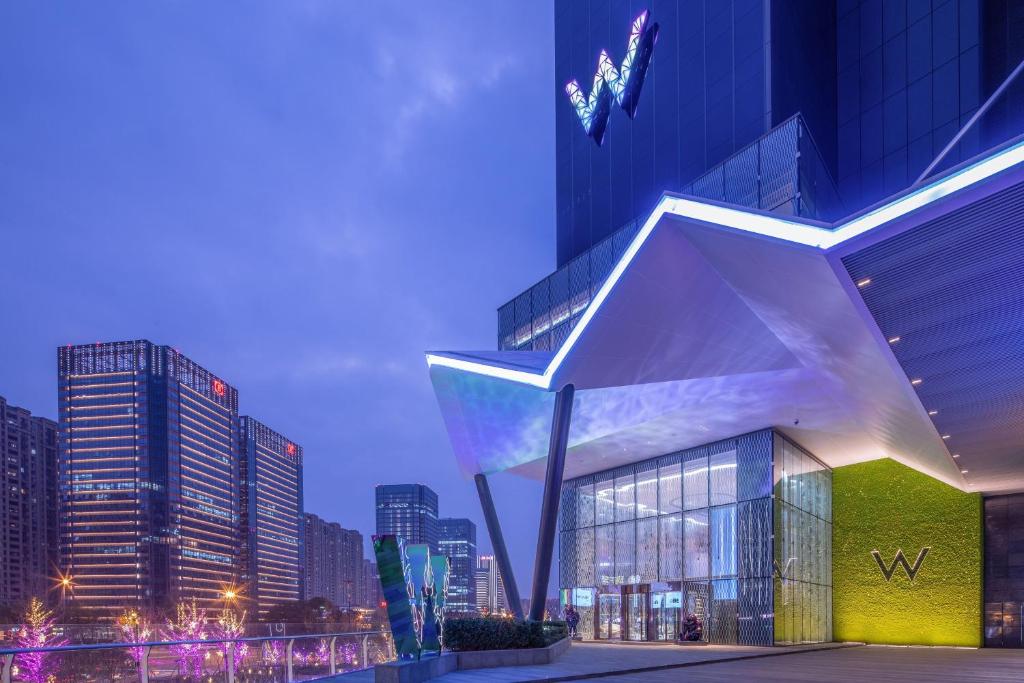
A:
[492,633]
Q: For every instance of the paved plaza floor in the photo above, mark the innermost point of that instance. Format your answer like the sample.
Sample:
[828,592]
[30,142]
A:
[622,663]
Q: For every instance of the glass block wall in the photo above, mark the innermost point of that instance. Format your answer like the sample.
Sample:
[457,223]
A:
[697,524]
[781,172]
[803,545]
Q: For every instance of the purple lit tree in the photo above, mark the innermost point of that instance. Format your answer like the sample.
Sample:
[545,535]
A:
[135,628]
[36,632]
[273,652]
[228,629]
[189,623]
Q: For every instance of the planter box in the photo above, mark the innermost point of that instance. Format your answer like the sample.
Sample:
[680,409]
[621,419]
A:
[433,667]
[487,659]
[416,671]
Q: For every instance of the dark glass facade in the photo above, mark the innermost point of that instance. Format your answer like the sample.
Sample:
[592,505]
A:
[717,81]
[457,541]
[272,517]
[149,477]
[28,505]
[409,511]
[735,532]
[1004,571]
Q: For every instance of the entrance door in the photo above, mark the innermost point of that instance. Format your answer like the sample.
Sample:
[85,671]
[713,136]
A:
[609,616]
[635,598]
[666,607]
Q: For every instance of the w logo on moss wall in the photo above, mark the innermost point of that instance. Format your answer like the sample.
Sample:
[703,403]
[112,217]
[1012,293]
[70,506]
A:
[901,559]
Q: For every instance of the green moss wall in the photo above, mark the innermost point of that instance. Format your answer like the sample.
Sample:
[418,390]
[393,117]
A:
[885,506]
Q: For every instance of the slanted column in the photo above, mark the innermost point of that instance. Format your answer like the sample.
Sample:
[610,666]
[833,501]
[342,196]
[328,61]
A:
[552,494]
[483,489]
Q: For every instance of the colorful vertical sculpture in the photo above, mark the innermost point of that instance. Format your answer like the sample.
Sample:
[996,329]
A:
[415,586]
[395,584]
[440,569]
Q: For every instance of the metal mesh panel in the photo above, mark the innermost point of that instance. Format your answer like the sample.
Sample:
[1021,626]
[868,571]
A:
[558,291]
[647,549]
[507,326]
[754,465]
[756,625]
[567,508]
[585,560]
[724,622]
[740,177]
[625,551]
[711,185]
[604,554]
[779,165]
[602,260]
[625,494]
[524,318]
[670,550]
[541,304]
[567,557]
[579,283]
[755,538]
[647,489]
[559,334]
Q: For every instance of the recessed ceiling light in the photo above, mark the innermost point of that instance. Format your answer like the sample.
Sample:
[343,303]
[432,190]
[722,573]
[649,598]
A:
[963,471]
[893,340]
[864,282]
[945,436]
[933,412]
[956,455]
[916,381]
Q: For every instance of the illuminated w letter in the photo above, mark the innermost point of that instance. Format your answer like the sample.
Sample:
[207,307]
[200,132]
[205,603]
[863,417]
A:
[622,84]
[900,559]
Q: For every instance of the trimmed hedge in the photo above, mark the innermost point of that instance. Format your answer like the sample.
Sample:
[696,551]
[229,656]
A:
[491,633]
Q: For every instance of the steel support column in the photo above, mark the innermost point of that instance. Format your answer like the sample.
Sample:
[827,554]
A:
[549,504]
[483,489]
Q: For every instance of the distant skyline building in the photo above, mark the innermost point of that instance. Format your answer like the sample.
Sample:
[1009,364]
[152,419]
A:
[457,540]
[490,590]
[373,596]
[28,505]
[149,477]
[272,516]
[334,567]
[409,511]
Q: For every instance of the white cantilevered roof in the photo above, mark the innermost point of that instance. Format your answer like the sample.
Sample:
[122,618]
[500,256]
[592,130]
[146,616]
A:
[718,320]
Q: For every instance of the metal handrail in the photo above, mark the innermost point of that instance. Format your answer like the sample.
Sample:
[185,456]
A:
[7,655]
[166,643]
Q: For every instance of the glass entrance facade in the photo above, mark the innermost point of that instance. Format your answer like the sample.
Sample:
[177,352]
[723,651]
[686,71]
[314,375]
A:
[645,546]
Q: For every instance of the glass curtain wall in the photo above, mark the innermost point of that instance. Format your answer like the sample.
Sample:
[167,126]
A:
[803,545]
[688,533]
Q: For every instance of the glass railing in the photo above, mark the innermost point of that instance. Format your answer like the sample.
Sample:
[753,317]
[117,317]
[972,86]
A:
[781,172]
[243,660]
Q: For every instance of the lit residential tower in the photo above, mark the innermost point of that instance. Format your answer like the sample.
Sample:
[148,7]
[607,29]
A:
[28,510]
[148,477]
[271,504]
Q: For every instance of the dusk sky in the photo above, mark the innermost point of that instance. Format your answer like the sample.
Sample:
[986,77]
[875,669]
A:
[301,196]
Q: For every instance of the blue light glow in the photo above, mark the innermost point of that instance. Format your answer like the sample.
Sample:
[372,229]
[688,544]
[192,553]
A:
[783,229]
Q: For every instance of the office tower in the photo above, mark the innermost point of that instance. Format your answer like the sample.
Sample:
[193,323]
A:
[490,590]
[28,505]
[373,596]
[334,562]
[409,511]
[457,540]
[149,473]
[271,504]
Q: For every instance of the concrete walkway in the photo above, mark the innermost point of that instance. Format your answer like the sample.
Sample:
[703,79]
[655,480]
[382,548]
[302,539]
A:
[841,663]
[590,660]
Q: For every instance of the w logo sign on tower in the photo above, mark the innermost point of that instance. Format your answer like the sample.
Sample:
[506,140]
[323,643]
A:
[900,559]
[622,84]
